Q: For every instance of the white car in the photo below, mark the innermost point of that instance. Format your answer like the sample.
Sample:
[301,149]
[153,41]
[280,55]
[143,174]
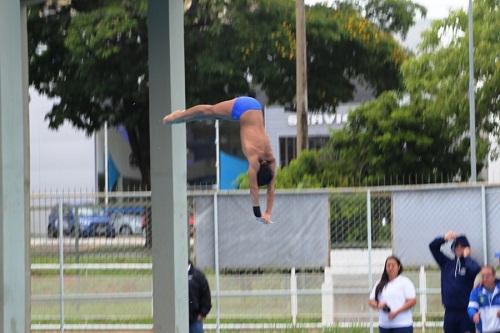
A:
[127,224]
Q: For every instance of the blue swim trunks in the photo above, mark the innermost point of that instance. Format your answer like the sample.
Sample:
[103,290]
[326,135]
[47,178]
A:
[242,105]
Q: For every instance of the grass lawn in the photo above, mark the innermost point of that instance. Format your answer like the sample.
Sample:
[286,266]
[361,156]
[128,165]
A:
[94,305]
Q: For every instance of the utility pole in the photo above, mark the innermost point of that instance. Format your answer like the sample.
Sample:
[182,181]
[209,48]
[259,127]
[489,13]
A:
[472,106]
[301,64]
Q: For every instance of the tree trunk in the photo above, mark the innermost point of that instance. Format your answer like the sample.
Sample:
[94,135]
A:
[139,144]
[302,135]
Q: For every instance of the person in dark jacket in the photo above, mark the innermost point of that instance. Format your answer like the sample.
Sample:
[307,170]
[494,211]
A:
[457,280]
[200,300]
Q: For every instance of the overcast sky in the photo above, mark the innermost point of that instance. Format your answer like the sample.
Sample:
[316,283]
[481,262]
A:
[441,8]
[435,8]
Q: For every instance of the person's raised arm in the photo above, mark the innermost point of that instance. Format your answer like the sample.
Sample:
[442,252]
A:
[435,247]
[472,266]
[253,168]
[270,192]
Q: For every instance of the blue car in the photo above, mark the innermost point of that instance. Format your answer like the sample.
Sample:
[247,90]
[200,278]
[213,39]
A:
[81,220]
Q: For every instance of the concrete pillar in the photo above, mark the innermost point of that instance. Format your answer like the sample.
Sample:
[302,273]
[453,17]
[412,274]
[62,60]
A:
[168,166]
[14,170]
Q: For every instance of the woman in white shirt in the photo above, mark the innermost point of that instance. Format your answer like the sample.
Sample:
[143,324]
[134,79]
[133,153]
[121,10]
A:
[393,296]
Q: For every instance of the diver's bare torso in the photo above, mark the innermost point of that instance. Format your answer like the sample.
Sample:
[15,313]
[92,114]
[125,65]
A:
[254,139]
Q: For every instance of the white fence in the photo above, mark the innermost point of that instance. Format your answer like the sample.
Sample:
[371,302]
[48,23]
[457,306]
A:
[101,279]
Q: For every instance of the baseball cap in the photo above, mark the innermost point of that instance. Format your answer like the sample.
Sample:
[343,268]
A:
[460,240]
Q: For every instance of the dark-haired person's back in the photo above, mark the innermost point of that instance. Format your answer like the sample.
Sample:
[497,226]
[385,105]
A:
[457,280]
[200,300]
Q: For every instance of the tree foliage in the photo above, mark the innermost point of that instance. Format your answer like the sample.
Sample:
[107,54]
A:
[423,129]
[92,57]
[343,48]
[394,15]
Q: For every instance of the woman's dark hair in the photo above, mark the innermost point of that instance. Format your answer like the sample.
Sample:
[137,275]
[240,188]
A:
[265,174]
[384,280]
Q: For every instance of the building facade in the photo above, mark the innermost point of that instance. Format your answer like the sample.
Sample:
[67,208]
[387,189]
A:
[281,127]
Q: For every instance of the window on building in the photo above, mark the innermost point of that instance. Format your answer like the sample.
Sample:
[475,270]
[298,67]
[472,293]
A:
[288,149]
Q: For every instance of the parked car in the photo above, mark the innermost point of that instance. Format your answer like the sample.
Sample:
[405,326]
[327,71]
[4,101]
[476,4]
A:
[68,218]
[94,221]
[127,220]
[86,220]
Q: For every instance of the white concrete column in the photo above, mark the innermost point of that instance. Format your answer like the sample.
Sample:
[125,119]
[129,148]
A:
[327,299]
[168,166]
[422,285]
[293,296]
[14,170]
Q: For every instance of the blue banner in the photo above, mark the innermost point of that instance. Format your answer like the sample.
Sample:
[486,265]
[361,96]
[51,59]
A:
[230,168]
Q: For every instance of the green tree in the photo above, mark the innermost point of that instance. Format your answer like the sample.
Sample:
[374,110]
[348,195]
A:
[214,66]
[348,220]
[422,130]
[343,47]
[303,172]
[387,138]
[393,15]
[92,57]
[438,79]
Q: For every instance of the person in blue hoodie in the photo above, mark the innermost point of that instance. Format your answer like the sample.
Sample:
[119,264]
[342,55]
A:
[457,280]
[484,302]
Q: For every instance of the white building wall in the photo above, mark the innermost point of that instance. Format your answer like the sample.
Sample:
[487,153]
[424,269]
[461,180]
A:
[493,165]
[280,123]
[62,159]
[120,151]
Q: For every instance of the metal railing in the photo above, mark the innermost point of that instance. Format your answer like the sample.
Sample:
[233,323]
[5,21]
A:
[73,275]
